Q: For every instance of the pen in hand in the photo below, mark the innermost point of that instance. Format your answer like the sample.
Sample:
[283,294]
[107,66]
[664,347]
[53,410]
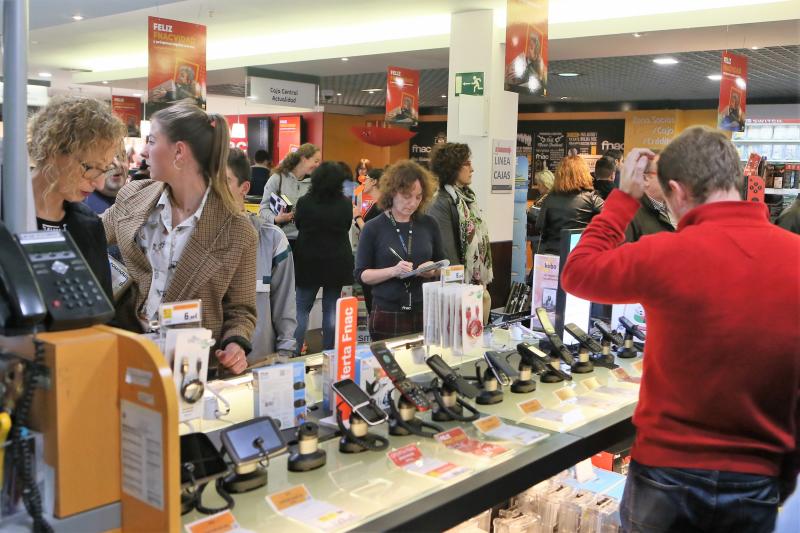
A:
[395,254]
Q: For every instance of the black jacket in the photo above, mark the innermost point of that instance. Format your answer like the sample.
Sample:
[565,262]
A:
[565,211]
[322,254]
[647,220]
[86,229]
[790,218]
[604,187]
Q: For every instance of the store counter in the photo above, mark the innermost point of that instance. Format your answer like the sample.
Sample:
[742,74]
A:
[575,419]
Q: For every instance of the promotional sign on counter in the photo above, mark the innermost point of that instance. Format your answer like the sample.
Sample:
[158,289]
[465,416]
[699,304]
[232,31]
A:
[402,96]
[732,92]
[176,63]
[346,329]
[129,110]
[290,131]
[526,46]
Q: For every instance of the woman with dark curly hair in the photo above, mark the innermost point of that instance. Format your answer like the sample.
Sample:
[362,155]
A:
[72,144]
[400,240]
[465,237]
[322,255]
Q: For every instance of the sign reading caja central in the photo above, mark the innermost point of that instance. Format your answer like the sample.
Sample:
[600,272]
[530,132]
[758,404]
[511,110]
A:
[346,337]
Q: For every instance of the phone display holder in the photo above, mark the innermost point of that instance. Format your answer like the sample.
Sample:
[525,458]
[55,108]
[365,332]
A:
[628,349]
[583,364]
[448,406]
[357,438]
[403,420]
[524,383]
[307,456]
[201,464]
[491,390]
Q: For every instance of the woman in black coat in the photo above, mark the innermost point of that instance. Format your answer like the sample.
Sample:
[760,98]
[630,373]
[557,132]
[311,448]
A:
[322,255]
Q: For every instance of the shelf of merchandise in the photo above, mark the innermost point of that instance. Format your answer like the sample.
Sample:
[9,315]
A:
[783,192]
[766,141]
[776,160]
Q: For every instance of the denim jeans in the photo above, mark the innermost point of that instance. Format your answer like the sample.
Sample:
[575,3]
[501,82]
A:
[691,500]
[306,296]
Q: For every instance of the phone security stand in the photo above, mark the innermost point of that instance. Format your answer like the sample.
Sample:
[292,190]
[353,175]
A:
[358,439]
[583,365]
[403,420]
[629,349]
[307,456]
[524,383]
[448,405]
[247,477]
[491,391]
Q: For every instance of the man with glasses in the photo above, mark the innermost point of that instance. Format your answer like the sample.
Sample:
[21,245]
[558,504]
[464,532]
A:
[104,197]
[653,215]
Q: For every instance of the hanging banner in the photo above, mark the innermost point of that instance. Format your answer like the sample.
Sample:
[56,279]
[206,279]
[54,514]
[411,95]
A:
[129,110]
[402,96]
[732,92]
[526,46]
[176,63]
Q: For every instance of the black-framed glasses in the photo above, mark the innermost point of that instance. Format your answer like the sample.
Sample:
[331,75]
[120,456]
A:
[92,172]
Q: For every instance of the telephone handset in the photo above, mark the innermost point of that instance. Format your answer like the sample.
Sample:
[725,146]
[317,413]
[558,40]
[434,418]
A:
[45,279]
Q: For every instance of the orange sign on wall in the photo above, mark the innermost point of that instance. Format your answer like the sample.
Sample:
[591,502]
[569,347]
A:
[346,337]
[176,63]
[129,110]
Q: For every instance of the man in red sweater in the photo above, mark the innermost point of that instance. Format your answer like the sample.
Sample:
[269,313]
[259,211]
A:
[718,418]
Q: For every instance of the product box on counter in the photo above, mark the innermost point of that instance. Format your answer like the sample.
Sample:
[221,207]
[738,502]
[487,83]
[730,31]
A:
[279,391]
[366,373]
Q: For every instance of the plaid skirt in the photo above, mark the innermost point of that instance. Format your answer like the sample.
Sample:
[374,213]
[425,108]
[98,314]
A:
[389,324]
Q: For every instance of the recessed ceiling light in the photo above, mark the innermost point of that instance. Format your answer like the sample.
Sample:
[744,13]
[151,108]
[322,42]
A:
[370,91]
[45,75]
[754,48]
[568,74]
[77,17]
[345,59]
[637,35]
[252,97]
[665,61]
[104,82]
[338,94]
[714,77]
[565,97]
[137,94]
[444,96]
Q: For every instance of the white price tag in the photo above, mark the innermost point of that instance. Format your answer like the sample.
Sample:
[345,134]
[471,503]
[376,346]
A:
[453,273]
[171,314]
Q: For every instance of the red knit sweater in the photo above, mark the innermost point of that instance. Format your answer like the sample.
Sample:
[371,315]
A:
[721,381]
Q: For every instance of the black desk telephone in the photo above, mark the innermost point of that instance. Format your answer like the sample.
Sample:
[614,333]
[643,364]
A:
[45,283]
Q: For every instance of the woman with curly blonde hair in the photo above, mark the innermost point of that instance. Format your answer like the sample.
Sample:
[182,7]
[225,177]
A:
[571,204]
[72,143]
[400,240]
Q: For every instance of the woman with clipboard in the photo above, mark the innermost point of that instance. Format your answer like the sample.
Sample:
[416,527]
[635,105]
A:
[398,242]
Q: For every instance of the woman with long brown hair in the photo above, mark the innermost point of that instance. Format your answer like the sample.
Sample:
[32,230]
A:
[182,235]
[571,204]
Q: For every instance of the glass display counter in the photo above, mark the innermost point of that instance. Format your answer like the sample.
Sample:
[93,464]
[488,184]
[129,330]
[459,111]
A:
[577,419]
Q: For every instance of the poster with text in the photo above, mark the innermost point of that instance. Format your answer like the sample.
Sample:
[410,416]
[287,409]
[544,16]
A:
[732,92]
[176,63]
[429,134]
[129,110]
[526,46]
[503,158]
[552,140]
[289,135]
[402,96]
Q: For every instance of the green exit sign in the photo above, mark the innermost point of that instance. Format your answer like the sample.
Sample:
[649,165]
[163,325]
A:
[470,83]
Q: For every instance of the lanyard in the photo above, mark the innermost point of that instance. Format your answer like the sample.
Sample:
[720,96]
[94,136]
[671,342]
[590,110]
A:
[407,250]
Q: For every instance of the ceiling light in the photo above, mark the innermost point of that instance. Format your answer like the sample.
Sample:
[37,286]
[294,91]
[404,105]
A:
[444,96]
[369,90]
[714,77]
[565,97]
[754,48]
[238,131]
[345,59]
[104,82]
[137,95]
[252,97]
[77,17]
[637,35]
[338,94]
[665,61]
[568,74]
[45,75]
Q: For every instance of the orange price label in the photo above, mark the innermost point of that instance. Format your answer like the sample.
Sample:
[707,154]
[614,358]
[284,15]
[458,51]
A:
[638,366]
[621,374]
[564,394]
[218,523]
[488,424]
[452,437]
[530,406]
[281,501]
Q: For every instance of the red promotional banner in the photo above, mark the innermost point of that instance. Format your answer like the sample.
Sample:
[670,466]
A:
[732,92]
[526,46]
[289,135]
[129,110]
[402,96]
[176,64]
[346,337]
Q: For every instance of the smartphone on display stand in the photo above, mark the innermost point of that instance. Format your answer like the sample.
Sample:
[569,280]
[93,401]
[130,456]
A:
[451,378]
[359,401]
[500,367]
[553,337]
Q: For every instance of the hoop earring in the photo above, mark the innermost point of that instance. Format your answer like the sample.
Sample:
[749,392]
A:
[175,164]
